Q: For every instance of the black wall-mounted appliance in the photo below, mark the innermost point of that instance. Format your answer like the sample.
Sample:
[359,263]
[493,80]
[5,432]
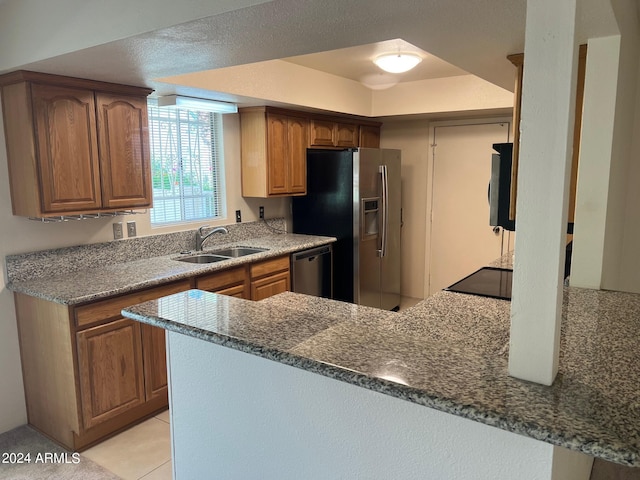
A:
[500,187]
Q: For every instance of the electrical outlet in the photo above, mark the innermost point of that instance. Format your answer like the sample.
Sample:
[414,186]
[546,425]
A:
[117,231]
[261,211]
[238,216]
[131,229]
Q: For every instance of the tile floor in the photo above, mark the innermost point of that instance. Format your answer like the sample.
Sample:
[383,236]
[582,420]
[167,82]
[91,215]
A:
[142,452]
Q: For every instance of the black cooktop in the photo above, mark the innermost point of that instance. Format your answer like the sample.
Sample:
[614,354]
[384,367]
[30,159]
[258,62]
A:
[487,282]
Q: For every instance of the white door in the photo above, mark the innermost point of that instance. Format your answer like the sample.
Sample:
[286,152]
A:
[461,238]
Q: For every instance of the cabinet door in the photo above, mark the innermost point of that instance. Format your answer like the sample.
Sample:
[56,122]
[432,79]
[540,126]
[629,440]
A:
[277,138]
[297,155]
[369,136]
[67,148]
[154,352]
[322,133]
[346,135]
[271,285]
[124,151]
[110,370]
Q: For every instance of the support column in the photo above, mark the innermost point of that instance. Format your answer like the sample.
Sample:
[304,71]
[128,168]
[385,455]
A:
[547,118]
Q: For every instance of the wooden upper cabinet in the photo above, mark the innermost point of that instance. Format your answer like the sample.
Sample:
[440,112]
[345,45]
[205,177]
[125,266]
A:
[65,125]
[369,136]
[347,135]
[277,139]
[297,154]
[274,153]
[124,151]
[274,146]
[327,133]
[75,146]
[322,133]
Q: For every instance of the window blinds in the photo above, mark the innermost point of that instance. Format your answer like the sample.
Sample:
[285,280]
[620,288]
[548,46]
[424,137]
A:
[186,165]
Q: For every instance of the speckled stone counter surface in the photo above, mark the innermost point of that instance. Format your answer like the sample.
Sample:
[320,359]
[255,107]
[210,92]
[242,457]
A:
[78,281]
[449,352]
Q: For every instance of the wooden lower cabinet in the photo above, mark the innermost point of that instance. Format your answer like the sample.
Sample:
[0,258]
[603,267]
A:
[269,278]
[255,281]
[88,372]
[110,370]
[270,285]
[154,361]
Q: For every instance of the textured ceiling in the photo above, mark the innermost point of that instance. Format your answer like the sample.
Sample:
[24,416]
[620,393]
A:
[474,36]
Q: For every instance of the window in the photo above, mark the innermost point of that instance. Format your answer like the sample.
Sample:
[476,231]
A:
[186,165]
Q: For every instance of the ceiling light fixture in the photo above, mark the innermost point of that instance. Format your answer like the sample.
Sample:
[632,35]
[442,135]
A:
[397,62]
[200,104]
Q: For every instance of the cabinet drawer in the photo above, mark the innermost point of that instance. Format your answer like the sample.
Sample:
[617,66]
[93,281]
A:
[109,309]
[269,266]
[221,280]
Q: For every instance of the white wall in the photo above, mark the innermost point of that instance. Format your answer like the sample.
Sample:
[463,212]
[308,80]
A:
[605,253]
[19,235]
[276,421]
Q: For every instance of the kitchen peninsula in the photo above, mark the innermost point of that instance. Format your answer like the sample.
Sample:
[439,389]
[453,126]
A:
[245,416]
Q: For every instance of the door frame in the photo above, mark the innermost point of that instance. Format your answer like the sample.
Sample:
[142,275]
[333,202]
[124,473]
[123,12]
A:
[430,177]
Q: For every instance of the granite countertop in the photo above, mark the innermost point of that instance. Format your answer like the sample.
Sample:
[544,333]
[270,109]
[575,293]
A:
[96,283]
[449,352]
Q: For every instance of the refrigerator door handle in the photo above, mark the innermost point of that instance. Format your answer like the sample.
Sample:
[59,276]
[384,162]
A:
[385,207]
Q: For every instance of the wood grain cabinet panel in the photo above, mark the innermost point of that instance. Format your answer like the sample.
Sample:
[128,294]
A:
[110,370]
[322,133]
[68,149]
[232,282]
[154,355]
[369,136]
[346,135]
[124,147]
[297,146]
[75,146]
[273,153]
[270,285]
[330,133]
[270,277]
[277,139]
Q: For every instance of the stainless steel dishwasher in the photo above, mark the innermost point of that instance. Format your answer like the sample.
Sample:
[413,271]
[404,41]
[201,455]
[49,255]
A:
[313,271]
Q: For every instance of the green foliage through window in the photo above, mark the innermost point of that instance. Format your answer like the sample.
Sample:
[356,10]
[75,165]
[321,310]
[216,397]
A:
[186,165]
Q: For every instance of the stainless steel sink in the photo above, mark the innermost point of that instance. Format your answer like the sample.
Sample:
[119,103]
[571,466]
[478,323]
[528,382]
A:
[202,258]
[220,255]
[234,252]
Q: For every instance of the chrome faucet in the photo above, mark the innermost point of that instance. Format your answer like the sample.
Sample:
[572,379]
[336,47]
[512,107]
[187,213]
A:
[200,237]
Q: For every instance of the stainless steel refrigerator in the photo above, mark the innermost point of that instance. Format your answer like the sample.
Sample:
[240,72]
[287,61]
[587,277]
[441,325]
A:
[354,195]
